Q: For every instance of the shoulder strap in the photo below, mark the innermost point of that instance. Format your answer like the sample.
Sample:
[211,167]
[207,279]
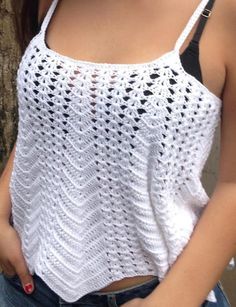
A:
[203,19]
[192,21]
[48,15]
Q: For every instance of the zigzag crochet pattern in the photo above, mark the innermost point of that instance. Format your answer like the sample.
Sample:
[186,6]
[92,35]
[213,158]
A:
[106,176]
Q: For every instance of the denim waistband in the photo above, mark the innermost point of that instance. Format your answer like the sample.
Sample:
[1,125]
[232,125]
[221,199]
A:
[147,282]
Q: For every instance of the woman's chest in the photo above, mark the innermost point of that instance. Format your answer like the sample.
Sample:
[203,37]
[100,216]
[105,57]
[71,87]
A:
[125,34]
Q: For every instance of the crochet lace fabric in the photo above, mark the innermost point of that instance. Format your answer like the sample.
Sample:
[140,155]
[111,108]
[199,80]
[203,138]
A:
[106,176]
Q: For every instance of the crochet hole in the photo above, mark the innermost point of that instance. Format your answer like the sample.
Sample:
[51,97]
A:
[154,76]
[172,81]
[147,93]
[169,109]
[143,101]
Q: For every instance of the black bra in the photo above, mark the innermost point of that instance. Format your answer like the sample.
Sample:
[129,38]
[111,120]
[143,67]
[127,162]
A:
[190,56]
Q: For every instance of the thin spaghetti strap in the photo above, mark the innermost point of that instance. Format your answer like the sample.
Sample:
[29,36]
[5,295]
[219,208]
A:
[193,19]
[48,15]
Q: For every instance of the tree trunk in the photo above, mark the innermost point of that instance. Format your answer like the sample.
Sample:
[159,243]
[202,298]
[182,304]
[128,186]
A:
[9,61]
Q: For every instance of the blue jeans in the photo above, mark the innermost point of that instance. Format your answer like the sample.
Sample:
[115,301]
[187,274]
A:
[12,295]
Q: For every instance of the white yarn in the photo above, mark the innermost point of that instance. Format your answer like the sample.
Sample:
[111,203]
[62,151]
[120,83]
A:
[106,176]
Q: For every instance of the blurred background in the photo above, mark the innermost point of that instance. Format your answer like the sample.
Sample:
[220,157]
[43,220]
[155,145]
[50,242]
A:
[9,60]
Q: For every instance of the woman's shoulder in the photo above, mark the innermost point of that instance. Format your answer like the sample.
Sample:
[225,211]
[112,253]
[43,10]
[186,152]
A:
[43,8]
[227,18]
[227,15]
[230,6]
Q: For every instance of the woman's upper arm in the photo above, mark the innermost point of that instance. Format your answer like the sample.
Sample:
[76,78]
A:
[42,9]
[227,166]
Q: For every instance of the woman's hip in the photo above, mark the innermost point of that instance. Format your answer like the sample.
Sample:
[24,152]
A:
[12,294]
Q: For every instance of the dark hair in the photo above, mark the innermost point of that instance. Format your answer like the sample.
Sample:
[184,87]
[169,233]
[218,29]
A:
[26,18]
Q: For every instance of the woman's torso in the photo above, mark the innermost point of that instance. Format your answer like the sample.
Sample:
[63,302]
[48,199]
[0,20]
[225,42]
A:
[110,32]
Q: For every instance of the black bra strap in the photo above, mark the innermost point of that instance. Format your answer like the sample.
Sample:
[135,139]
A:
[204,17]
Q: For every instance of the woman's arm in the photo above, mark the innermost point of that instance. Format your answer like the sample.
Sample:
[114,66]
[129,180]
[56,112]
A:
[5,201]
[11,257]
[202,262]
[213,242]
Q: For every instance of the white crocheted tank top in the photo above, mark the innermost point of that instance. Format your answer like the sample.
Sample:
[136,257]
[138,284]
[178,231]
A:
[106,176]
